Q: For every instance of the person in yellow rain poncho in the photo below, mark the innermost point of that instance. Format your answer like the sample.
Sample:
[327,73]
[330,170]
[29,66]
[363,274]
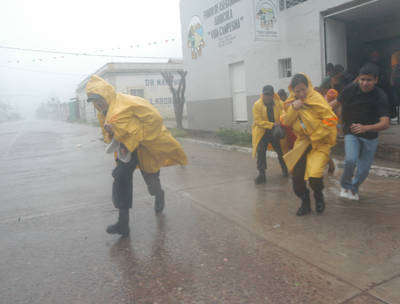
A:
[314,124]
[135,130]
[266,114]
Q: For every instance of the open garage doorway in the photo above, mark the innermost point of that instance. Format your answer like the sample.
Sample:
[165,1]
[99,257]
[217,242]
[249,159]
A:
[364,31]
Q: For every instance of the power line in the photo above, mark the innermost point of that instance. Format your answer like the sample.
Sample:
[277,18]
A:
[43,72]
[75,53]
[19,95]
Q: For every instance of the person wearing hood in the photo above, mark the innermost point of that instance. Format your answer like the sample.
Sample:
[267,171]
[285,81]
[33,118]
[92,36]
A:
[134,129]
[266,130]
[314,124]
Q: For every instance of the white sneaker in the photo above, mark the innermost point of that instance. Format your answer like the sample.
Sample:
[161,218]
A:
[344,193]
[354,196]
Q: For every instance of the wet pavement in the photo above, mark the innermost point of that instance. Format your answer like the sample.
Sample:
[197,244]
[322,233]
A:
[221,239]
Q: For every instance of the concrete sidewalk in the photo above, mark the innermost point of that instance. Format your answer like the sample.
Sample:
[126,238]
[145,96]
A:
[387,155]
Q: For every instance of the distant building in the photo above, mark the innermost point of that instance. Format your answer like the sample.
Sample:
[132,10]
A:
[69,111]
[232,48]
[139,79]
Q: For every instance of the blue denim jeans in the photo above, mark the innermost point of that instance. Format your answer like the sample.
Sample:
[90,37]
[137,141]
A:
[360,153]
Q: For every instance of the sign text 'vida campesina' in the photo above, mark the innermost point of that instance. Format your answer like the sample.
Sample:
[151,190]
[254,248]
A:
[224,20]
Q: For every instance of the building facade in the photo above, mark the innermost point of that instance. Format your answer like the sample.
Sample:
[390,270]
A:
[139,79]
[232,48]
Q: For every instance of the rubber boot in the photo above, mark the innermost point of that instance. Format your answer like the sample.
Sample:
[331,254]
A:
[122,226]
[285,172]
[331,167]
[319,201]
[261,178]
[317,186]
[159,202]
[305,207]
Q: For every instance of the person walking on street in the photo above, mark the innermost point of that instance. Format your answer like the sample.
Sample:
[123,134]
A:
[365,112]
[266,130]
[134,129]
[314,125]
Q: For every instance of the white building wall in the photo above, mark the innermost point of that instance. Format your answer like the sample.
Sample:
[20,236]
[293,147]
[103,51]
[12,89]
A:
[300,38]
[151,82]
[155,89]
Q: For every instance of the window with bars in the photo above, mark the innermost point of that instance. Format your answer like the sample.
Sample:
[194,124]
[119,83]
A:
[285,67]
[284,4]
[137,92]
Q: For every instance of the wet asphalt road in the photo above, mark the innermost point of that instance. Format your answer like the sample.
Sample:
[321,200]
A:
[221,239]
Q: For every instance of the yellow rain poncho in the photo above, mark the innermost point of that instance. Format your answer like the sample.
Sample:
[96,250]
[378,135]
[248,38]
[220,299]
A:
[314,124]
[261,122]
[138,125]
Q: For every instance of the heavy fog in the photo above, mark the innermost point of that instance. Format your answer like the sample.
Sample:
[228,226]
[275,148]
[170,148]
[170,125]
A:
[48,47]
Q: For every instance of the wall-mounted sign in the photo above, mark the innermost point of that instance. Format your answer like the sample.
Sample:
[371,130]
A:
[222,21]
[266,19]
[196,37]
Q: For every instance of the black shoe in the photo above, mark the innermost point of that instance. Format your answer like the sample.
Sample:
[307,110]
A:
[122,226]
[260,179]
[320,206]
[305,207]
[331,167]
[118,229]
[317,185]
[159,202]
[319,203]
[303,211]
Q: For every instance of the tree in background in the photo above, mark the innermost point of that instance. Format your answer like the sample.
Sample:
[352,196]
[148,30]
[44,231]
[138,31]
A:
[8,111]
[178,94]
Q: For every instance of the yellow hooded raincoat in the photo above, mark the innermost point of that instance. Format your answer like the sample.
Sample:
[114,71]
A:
[261,122]
[138,125]
[314,124]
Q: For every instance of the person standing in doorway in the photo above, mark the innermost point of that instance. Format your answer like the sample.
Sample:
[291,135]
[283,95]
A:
[326,82]
[266,130]
[335,80]
[394,95]
[365,112]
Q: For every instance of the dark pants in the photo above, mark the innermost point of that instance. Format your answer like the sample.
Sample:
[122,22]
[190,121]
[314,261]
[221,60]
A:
[394,101]
[123,182]
[262,151]
[299,184]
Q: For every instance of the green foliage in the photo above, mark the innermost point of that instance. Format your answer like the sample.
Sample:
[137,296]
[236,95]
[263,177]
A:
[178,132]
[234,137]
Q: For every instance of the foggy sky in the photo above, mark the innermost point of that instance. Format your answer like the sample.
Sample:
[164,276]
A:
[76,26]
